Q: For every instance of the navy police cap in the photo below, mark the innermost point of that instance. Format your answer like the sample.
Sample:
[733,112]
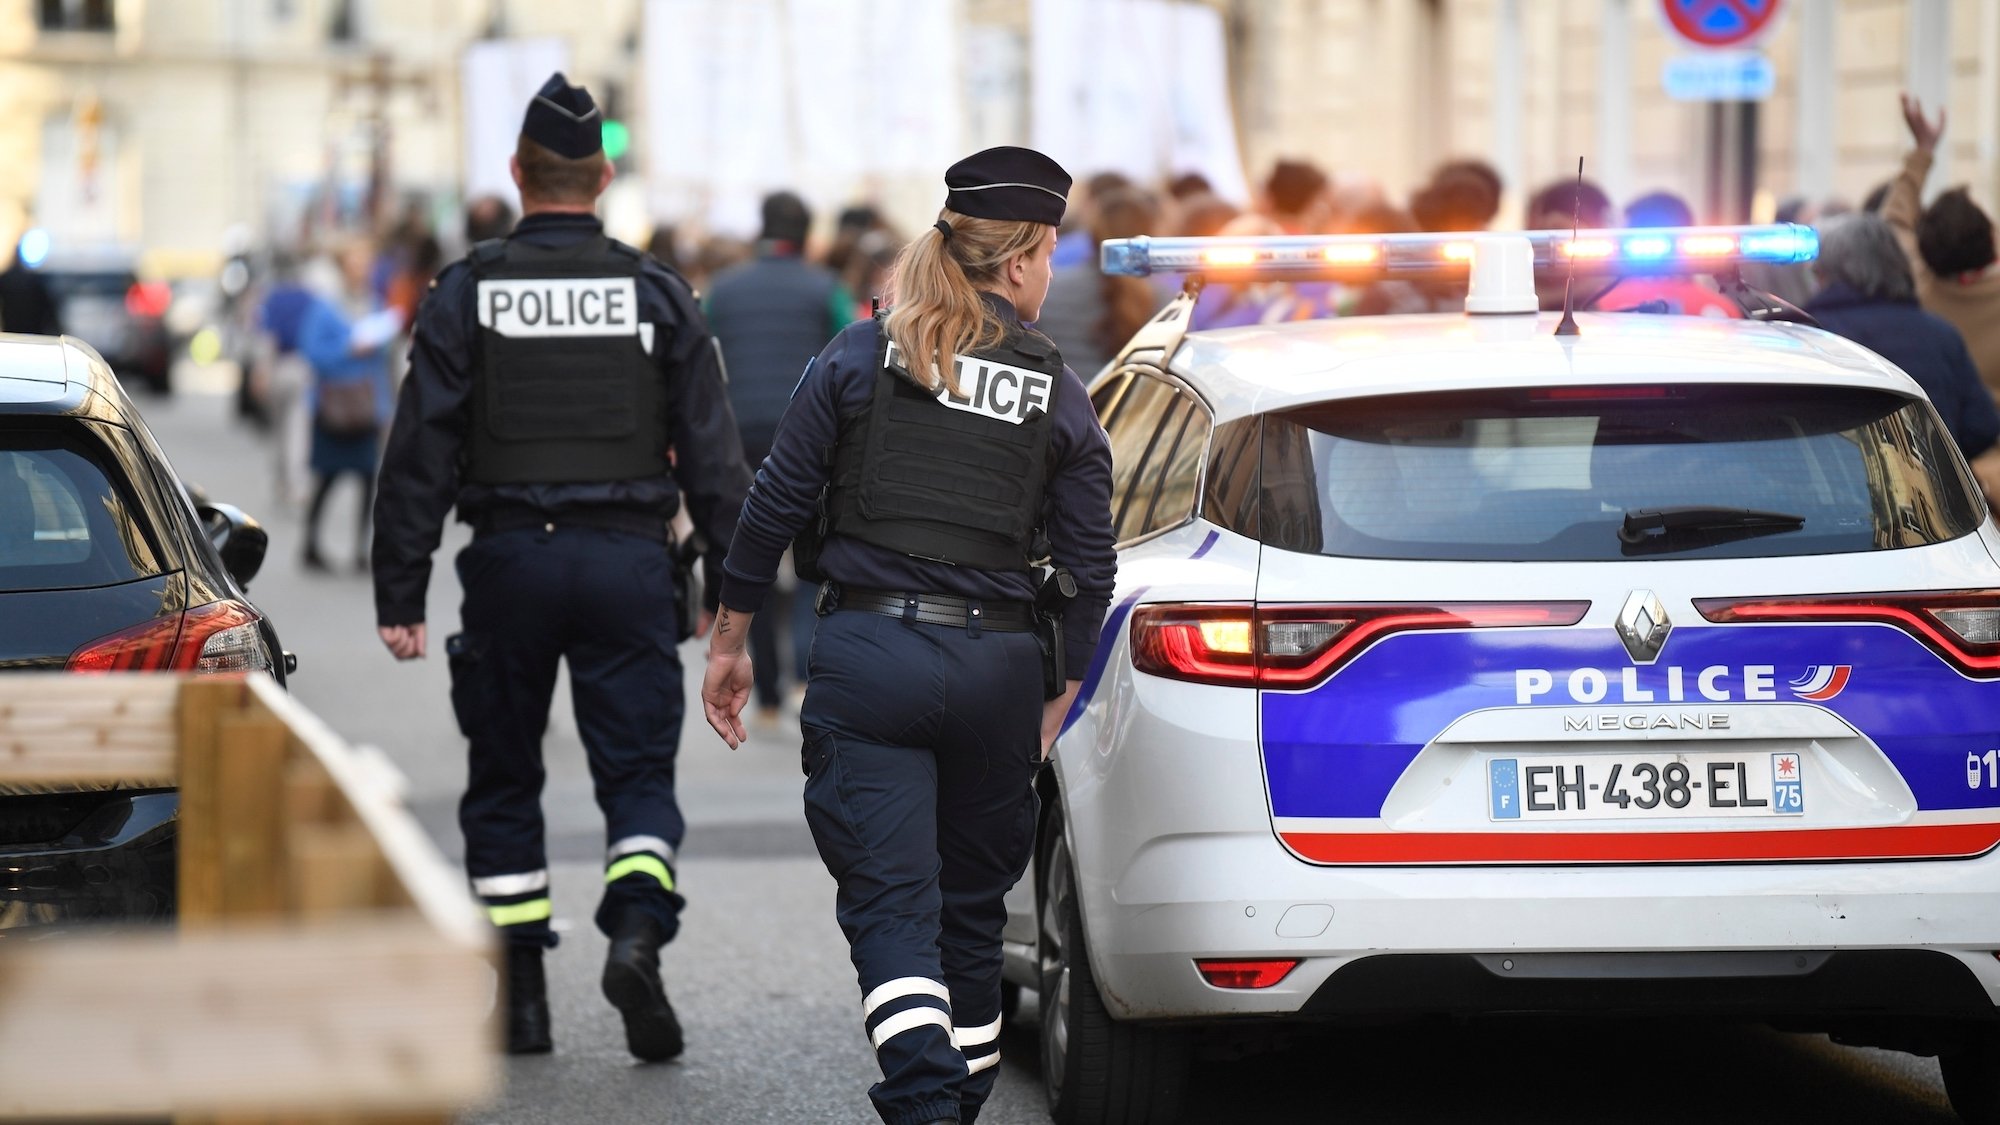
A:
[564,119]
[1008,183]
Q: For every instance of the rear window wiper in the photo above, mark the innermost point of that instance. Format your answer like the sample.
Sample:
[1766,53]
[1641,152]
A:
[1647,530]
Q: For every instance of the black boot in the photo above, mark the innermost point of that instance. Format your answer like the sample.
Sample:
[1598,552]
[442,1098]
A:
[632,984]
[527,995]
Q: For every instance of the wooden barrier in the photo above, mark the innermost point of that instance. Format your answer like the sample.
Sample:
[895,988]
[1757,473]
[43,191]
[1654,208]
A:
[327,964]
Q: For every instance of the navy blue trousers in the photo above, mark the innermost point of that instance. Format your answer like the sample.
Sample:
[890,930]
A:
[603,601]
[921,745]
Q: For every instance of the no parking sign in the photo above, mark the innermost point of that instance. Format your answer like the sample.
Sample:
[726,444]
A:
[1724,66]
[1720,24]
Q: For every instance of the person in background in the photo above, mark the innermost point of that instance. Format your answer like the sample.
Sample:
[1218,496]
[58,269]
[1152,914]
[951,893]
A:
[1463,195]
[1203,216]
[1868,295]
[1090,314]
[1296,198]
[771,316]
[1556,207]
[285,375]
[1950,248]
[1678,295]
[346,340]
[26,305]
[664,246]
[487,217]
[1074,245]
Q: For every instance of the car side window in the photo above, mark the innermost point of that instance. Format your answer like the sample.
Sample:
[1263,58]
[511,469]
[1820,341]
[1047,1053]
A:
[1229,497]
[1146,478]
[1180,472]
[1107,397]
[1133,429]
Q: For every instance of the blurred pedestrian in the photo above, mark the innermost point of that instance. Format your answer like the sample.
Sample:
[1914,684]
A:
[963,450]
[1674,294]
[565,396]
[1089,313]
[1074,244]
[1950,247]
[1461,196]
[664,246]
[1868,295]
[26,305]
[772,315]
[1296,198]
[285,376]
[346,340]
[487,217]
[1568,200]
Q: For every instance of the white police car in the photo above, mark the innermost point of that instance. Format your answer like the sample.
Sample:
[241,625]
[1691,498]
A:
[1460,667]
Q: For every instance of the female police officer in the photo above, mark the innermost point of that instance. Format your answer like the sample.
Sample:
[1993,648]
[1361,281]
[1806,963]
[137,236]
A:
[943,448]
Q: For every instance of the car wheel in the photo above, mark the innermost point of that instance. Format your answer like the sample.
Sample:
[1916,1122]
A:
[1972,1079]
[1098,1070]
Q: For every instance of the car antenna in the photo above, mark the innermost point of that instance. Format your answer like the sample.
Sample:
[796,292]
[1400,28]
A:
[1568,325]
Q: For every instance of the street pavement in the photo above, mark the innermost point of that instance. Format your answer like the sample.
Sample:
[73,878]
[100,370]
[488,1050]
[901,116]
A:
[760,975]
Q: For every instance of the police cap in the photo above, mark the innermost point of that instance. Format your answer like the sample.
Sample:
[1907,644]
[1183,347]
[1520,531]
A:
[1008,183]
[564,119]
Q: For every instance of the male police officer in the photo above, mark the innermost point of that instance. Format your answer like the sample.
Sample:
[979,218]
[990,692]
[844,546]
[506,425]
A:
[565,392]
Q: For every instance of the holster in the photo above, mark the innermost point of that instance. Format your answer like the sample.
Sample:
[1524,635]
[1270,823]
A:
[1055,594]
[687,589]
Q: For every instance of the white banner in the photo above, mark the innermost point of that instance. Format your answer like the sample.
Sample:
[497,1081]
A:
[497,78]
[1134,86]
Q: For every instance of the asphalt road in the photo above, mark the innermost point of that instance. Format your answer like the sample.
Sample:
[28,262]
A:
[760,975]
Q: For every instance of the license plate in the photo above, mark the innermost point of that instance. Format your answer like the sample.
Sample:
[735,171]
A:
[1645,787]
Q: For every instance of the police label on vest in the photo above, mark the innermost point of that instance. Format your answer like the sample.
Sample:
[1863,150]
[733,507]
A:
[995,390]
[566,306]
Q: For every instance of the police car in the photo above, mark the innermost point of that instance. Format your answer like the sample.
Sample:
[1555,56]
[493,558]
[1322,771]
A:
[1460,666]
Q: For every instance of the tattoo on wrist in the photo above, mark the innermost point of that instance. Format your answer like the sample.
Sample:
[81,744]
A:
[722,622]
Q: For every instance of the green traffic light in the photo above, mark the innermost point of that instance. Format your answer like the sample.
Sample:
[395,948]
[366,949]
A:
[617,139]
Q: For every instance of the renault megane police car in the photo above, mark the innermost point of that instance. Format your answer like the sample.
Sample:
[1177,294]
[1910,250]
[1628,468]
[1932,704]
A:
[1461,667]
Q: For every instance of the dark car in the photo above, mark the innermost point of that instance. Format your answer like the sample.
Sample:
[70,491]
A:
[101,301]
[106,565]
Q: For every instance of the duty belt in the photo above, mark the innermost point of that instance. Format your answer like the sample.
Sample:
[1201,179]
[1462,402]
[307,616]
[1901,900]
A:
[931,609]
[632,521]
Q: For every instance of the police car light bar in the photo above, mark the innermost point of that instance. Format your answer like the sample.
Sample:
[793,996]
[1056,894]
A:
[1358,257]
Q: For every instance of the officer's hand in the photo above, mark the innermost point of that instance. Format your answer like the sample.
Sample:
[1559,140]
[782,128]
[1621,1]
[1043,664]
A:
[1921,130]
[1054,712]
[725,689]
[406,642]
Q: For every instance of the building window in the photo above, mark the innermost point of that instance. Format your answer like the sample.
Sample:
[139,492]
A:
[75,15]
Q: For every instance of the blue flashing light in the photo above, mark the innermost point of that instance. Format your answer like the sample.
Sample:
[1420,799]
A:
[1647,247]
[34,247]
[1653,251]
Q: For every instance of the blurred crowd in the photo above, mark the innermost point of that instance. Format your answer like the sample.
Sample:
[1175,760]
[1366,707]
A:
[329,327]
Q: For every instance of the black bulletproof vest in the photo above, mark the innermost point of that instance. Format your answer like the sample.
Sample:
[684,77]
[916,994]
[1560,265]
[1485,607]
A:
[955,479]
[565,389]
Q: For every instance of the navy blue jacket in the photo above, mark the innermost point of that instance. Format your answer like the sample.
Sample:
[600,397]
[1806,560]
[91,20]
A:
[840,384]
[771,315]
[1927,347]
[420,468]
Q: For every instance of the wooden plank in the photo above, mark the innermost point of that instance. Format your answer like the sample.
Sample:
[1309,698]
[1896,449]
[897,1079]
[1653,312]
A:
[387,1017]
[335,869]
[249,801]
[421,877]
[61,730]
[203,703]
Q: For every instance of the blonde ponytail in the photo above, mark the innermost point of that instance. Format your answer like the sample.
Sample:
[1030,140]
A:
[937,312]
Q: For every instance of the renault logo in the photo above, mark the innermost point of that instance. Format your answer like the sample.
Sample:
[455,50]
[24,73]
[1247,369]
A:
[1643,626]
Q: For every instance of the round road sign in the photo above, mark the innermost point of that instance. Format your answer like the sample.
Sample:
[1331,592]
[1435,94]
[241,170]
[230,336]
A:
[1720,23]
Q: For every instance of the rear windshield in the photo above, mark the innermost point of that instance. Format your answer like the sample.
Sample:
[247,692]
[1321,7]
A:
[64,524]
[1553,474]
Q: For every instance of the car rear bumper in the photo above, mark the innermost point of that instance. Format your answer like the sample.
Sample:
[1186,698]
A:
[1762,940]
[116,864]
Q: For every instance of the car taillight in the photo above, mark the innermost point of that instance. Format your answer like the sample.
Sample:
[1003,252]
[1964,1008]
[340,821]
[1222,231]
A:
[1245,974]
[217,637]
[1297,646]
[148,298]
[1962,626]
